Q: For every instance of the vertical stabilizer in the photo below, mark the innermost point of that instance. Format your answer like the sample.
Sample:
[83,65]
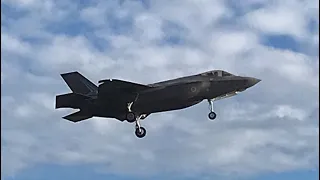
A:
[79,84]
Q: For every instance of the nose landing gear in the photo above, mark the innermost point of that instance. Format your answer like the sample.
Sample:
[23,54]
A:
[212,115]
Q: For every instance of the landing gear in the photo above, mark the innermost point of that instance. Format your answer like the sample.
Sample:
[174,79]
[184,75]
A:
[140,131]
[129,106]
[212,115]
[131,117]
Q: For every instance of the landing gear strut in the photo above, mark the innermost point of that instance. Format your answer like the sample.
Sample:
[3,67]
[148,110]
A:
[140,131]
[131,116]
[212,115]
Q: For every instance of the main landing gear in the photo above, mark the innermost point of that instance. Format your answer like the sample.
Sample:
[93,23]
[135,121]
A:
[140,131]
[212,115]
[131,117]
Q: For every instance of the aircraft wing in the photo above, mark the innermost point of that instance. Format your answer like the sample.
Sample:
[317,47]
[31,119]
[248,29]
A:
[77,116]
[115,85]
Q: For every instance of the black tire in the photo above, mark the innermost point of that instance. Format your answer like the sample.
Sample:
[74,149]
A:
[212,115]
[131,117]
[142,133]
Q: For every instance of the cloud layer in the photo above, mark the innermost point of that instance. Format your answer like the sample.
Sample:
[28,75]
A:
[272,127]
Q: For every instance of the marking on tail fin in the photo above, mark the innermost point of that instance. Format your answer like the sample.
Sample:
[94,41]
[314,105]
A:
[89,86]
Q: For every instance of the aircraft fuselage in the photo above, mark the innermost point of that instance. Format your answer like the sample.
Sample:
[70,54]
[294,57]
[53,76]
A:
[130,101]
[174,95]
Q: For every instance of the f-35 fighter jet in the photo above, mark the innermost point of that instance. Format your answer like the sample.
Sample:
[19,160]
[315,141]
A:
[132,102]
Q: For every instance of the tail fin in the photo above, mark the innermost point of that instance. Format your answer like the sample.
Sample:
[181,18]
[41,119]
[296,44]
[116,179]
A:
[78,116]
[76,101]
[78,83]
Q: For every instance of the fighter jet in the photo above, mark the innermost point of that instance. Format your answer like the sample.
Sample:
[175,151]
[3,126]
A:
[132,102]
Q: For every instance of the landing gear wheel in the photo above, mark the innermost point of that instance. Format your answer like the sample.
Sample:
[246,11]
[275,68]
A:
[212,115]
[131,117]
[140,132]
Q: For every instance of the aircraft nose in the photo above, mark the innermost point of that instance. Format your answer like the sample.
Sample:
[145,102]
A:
[252,81]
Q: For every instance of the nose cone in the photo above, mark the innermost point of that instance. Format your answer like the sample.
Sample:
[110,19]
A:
[252,81]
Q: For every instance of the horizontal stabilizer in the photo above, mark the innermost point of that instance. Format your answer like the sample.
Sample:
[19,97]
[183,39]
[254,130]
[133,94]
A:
[70,100]
[78,116]
[120,85]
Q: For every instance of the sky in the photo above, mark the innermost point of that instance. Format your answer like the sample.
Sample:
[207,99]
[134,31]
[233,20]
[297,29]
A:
[270,131]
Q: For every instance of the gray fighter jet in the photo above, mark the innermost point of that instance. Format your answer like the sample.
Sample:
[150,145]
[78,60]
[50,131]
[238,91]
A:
[132,102]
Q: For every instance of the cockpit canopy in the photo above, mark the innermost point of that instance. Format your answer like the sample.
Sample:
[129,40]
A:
[217,73]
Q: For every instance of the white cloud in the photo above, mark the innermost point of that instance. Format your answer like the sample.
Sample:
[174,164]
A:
[316,39]
[273,122]
[191,12]
[23,3]
[13,44]
[149,27]
[284,18]
[24,111]
[294,67]
[67,53]
[233,43]
[287,111]
[278,21]
[90,14]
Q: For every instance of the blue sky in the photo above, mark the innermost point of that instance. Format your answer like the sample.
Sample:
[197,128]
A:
[268,132]
[51,172]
